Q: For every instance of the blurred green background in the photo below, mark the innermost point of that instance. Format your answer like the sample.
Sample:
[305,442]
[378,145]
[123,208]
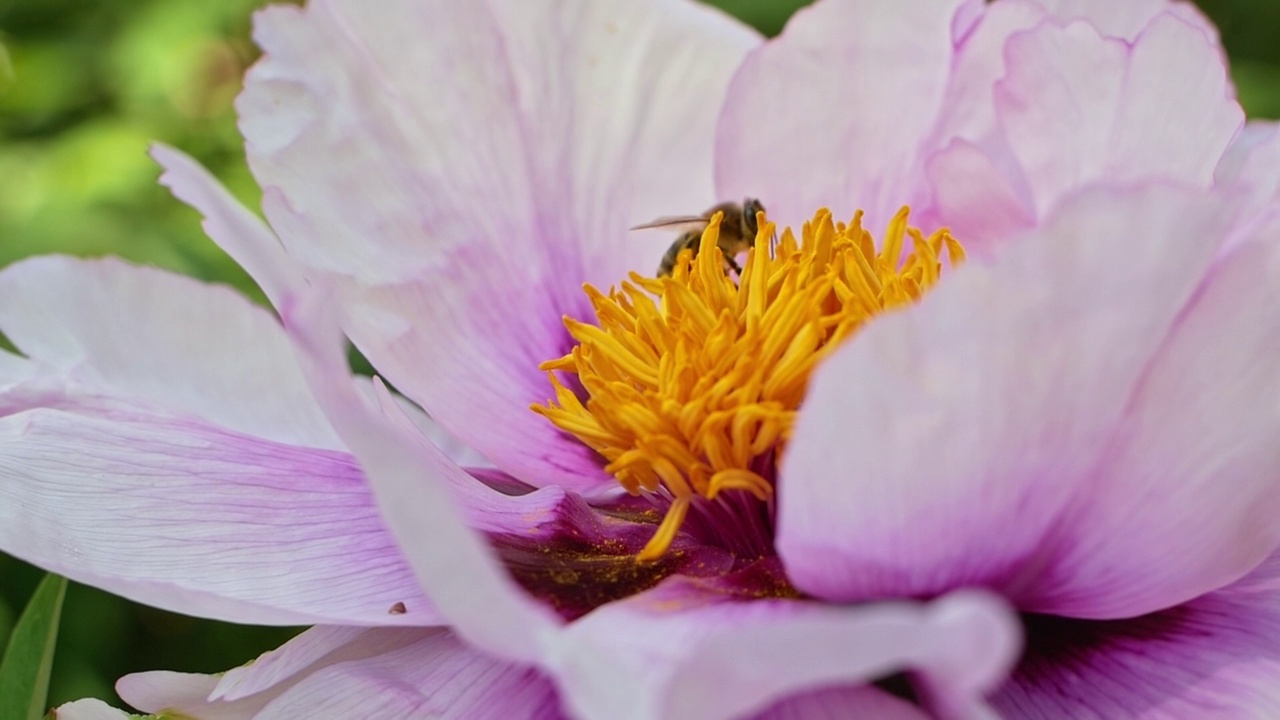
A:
[85,85]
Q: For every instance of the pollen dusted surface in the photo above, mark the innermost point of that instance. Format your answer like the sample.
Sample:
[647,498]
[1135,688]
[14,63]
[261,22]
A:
[693,381]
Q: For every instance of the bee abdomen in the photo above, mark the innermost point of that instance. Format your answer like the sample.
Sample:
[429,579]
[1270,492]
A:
[688,240]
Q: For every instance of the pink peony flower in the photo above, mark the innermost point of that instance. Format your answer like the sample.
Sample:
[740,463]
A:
[1040,485]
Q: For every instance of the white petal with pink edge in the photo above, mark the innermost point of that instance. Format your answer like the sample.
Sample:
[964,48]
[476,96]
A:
[193,518]
[152,401]
[486,197]
[995,403]
[608,126]
[161,339]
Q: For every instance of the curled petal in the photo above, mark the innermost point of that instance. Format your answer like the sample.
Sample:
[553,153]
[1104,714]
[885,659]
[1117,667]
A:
[299,655]
[418,489]
[439,676]
[405,675]
[235,229]
[186,695]
[697,649]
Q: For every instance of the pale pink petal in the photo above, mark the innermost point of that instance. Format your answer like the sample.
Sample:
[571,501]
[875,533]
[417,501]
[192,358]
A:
[1215,658]
[1078,107]
[1117,108]
[488,195]
[235,229]
[975,199]
[253,245]
[475,376]
[88,710]
[244,691]
[974,184]
[1252,166]
[294,657]
[456,450]
[1129,18]
[428,128]
[842,704]
[835,112]
[990,403]
[968,110]
[186,695]
[420,675]
[418,490]
[1193,470]
[15,369]
[437,677]
[200,520]
[152,337]
[699,650]
[1250,159]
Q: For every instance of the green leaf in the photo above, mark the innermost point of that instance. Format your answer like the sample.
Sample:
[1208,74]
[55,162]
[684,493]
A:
[28,659]
[6,69]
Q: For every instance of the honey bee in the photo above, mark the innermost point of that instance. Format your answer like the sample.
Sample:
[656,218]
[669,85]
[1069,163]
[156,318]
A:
[738,231]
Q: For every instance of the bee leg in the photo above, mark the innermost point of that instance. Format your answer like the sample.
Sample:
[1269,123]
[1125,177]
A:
[733,265]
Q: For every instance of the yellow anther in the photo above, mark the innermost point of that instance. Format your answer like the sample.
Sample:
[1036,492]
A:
[694,380]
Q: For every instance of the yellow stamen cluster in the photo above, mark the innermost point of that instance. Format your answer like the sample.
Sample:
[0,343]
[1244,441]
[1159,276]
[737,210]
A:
[693,379]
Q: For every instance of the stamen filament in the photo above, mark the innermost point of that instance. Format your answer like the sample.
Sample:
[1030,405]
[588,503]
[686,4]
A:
[657,546]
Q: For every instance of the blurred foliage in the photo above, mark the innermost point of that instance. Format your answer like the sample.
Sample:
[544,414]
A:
[93,83]
[85,85]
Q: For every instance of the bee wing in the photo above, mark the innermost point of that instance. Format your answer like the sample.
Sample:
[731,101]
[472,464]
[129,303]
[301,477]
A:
[675,223]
